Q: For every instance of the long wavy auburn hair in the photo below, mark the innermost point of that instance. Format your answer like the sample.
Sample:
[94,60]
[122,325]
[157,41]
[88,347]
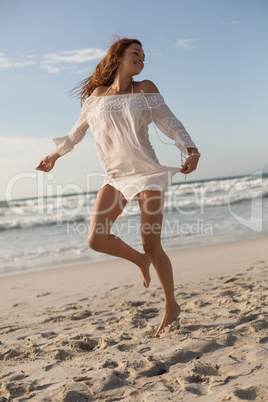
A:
[105,71]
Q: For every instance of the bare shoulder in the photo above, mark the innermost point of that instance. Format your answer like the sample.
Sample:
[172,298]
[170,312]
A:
[99,91]
[147,86]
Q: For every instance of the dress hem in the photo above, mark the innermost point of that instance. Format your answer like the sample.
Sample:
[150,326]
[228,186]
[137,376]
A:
[154,186]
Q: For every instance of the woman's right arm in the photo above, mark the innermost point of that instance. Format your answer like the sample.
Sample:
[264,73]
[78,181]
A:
[66,144]
[48,162]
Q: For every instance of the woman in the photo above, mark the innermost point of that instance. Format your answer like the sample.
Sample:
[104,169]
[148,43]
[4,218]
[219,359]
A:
[118,111]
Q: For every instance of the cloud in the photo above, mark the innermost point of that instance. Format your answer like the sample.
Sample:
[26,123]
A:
[230,23]
[23,63]
[75,56]
[4,61]
[186,44]
[54,62]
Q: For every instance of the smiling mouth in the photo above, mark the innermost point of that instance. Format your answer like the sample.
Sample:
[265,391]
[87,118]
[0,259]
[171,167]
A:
[138,64]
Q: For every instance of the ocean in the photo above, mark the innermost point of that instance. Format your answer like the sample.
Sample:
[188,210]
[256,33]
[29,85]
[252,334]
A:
[51,232]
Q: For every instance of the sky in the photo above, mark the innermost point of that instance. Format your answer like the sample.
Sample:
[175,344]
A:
[208,58]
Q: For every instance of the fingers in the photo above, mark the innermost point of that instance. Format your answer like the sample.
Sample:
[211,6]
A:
[186,168]
[189,165]
[183,168]
[41,166]
[186,171]
[45,167]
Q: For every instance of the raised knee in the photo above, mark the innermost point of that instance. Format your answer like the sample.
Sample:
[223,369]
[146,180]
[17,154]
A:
[95,242]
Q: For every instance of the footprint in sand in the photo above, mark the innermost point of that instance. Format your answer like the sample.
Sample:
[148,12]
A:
[80,315]
[16,354]
[184,356]
[155,368]
[259,325]
[49,335]
[194,349]
[49,366]
[20,386]
[205,373]
[61,355]
[206,369]
[135,320]
[54,319]
[227,340]
[84,343]
[125,347]
[264,340]
[69,306]
[144,350]
[71,392]
[109,364]
[99,327]
[68,349]
[147,313]
[242,318]
[129,304]
[248,394]
[9,328]
[13,389]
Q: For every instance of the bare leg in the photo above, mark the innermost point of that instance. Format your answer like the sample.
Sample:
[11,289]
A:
[151,205]
[109,205]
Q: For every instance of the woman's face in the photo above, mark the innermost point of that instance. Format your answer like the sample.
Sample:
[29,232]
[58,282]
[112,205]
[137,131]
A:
[133,59]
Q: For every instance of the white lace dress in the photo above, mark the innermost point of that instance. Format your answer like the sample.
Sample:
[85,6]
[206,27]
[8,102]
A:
[119,124]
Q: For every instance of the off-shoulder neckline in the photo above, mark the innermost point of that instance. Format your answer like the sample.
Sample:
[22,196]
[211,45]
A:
[134,93]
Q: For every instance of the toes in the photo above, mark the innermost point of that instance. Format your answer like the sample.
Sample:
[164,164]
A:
[145,283]
[157,334]
[160,329]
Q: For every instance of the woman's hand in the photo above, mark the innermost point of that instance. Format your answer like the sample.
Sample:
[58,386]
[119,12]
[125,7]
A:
[48,162]
[190,164]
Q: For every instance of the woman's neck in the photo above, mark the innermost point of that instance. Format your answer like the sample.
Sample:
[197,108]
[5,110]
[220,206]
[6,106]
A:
[122,84]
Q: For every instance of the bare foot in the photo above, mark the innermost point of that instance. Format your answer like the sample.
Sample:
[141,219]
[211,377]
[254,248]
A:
[144,267]
[168,317]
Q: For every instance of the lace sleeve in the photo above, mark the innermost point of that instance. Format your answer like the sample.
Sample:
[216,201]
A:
[168,123]
[67,143]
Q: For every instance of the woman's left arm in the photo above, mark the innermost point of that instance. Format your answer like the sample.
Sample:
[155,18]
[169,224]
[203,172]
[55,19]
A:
[168,123]
[191,162]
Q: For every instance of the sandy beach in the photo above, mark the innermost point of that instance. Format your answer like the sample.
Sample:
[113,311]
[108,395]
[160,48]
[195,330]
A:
[85,333]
